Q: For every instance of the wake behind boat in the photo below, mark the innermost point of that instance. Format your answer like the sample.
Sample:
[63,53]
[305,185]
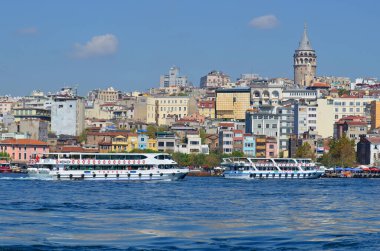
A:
[107,166]
[270,168]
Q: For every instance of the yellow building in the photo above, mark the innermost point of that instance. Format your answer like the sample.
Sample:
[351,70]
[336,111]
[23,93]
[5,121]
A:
[207,108]
[160,108]
[152,144]
[132,142]
[375,114]
[119,144]
[232,103]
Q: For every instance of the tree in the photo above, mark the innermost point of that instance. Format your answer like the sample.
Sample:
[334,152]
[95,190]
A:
[4,155]
[151,131]
[202,135]
[341,153]
[305,151]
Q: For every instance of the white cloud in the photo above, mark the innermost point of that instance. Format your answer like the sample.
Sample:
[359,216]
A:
[264,22]
[27,31]
[101,45]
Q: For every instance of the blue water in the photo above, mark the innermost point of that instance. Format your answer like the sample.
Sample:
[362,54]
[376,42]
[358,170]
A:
[193,214]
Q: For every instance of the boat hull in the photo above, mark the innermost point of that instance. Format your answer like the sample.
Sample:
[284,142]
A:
[272,175]
[176,174]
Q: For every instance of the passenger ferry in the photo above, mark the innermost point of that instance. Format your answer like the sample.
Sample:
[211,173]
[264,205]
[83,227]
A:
[270,168]
[107,166]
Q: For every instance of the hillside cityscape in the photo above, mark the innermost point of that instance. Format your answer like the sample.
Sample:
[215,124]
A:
[255,116]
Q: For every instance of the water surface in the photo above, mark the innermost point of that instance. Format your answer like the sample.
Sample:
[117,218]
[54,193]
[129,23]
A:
[193,214]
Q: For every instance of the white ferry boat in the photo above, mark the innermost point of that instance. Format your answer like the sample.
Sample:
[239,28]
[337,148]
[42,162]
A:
[270,168]
[107,166]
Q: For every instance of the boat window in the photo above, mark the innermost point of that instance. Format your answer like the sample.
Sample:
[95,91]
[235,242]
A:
[163,157]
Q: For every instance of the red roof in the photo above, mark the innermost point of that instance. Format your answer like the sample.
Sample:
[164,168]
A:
[226,124]
[321,85]
[206,104]
[32,142]
[374,140]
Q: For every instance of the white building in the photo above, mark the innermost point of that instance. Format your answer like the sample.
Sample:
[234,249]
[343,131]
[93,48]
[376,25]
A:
[173,78]
[305,118]
[67,115]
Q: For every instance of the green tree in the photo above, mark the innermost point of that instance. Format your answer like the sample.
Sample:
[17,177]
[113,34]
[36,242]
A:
[202,134]
[4,155]
[305,151]
[342,152]
[83,136]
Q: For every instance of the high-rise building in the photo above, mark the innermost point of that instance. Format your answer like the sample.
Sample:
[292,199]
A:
[173,78]
[67,115]
[305,62]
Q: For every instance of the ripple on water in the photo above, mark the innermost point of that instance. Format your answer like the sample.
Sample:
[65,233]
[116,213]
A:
[196,214]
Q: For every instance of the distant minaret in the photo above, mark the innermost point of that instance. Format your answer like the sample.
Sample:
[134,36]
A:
[305,62]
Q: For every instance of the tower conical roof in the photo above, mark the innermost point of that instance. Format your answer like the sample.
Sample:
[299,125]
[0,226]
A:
[305,44]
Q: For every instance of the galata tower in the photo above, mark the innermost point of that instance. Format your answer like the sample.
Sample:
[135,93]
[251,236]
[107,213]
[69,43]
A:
[305,62]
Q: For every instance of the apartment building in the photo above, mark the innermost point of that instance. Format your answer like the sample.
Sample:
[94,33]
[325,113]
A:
[161,109]
[231,104]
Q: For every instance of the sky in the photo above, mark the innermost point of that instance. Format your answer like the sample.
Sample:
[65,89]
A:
[45,45]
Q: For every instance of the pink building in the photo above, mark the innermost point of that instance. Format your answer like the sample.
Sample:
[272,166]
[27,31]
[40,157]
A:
[271,148]
[23,150]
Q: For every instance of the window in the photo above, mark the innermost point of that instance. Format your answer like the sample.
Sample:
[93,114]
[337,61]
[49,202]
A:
[357,109]
[169,144]
[19,156]
[274,125]
[60,106]
[267,126]
[258,125]
[336,109]
[343,109]
[161,144]
[351,109]
[24,155]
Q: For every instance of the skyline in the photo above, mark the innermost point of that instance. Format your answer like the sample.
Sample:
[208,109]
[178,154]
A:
[128,45]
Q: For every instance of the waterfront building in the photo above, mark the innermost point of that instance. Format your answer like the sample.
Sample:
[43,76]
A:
[263,123]
[261,146]
[67,115]
[249,145]
[173,78]
[368,150]
[119,144]
[215,79]
[351,126]
[375,114]
[142,140]
[231,104]
[23,150]
[271,148]
[225,137]
[304,62]
[35,128]
[152,144]
[166,142]
[238,140]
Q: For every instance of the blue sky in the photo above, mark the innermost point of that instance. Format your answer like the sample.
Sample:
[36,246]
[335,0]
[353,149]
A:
[129,44]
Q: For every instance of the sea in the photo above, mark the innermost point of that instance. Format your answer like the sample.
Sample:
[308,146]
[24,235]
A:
[197,213]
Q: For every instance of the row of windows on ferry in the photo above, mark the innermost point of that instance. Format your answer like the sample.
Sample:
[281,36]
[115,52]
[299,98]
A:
[97,167]
[106,156]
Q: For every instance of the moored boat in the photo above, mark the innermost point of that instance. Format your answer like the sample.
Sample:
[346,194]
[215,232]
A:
[107,166]
[270,168]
